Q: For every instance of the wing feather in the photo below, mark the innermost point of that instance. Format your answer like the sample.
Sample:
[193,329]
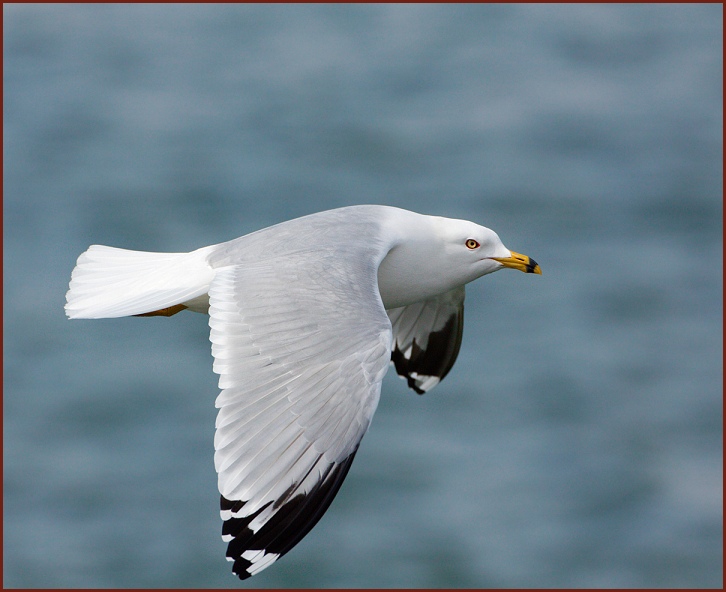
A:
[300,369]
[426,338]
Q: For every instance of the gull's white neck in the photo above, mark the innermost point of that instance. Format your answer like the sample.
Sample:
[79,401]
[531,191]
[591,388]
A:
[416,267]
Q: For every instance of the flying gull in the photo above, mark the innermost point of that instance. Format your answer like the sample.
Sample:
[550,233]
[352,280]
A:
[306,316]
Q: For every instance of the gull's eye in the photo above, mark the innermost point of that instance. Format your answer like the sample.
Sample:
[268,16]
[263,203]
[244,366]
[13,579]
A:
[472,244]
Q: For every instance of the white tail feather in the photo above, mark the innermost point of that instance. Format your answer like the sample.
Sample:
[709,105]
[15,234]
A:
[109,282]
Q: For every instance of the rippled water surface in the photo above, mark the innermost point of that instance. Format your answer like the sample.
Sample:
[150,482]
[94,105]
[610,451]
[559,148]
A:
[577,441]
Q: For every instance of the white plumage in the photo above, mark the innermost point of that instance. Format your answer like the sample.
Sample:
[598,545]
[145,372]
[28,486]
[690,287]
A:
[305,317]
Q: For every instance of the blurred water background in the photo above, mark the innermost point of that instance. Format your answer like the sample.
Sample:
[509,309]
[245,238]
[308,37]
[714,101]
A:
[578,440]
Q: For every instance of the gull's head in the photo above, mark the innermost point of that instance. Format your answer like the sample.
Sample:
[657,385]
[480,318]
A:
[434,255]
[471,250]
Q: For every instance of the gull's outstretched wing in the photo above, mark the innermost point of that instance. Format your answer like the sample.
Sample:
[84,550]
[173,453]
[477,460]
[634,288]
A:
[301,349]
[426,338]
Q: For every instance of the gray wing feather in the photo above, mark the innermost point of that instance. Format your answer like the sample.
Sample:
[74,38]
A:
[426,339]
[301,347]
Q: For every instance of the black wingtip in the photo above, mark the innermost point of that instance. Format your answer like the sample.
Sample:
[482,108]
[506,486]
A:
[436,360]
[295,517]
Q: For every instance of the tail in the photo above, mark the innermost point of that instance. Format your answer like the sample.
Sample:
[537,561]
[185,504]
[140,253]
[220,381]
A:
[109,282]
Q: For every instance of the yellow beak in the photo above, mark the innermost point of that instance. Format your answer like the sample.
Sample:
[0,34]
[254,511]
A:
[520,262]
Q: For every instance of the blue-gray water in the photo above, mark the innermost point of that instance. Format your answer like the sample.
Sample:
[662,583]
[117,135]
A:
[577,441]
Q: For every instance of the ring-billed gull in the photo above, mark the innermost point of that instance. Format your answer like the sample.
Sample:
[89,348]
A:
[305,318]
